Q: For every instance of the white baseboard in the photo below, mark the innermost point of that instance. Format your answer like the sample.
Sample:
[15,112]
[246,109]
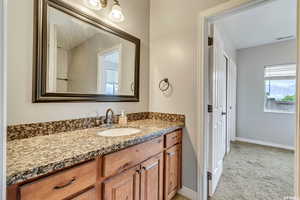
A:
[187,192]
[270,144]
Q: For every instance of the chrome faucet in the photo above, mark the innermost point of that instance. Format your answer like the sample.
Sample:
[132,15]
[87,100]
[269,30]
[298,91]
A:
[109,118]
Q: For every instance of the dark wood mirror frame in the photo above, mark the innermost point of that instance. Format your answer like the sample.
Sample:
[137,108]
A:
[40,56]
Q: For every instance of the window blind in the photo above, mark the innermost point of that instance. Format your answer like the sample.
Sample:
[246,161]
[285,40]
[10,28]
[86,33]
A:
[280,71]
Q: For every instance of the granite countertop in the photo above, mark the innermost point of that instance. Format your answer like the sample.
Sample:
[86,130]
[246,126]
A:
[36,156]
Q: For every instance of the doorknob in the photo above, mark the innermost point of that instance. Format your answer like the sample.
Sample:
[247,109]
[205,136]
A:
[224,113]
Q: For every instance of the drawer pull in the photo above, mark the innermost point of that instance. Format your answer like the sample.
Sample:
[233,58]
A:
[58,187]
[171,153]
[126,165]
[150,167]
[174,137]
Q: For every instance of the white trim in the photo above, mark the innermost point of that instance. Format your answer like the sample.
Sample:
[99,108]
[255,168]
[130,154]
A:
[270,144]
[187,192]
[201,74]
[233,69]
[297,135]
[278,112]
[52,66]
[3,73]
[228,135]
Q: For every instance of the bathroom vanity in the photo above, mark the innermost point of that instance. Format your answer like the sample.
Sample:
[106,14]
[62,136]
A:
[146,165]
[78,57]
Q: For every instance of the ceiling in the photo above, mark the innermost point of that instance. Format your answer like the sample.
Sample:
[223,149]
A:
[262,24]
[70,31]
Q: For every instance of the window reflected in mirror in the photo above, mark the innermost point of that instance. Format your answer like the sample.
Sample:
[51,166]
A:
[84,59]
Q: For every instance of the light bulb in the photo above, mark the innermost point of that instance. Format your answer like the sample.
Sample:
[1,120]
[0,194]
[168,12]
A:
[116,13]
[93,4]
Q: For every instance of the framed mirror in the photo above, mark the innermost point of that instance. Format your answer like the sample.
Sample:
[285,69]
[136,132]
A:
[80,58]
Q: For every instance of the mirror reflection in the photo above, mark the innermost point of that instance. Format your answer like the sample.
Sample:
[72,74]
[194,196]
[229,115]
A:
[85,59]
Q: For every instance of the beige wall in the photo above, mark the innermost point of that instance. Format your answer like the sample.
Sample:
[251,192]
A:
[20,49]
[173,29]
[172,55]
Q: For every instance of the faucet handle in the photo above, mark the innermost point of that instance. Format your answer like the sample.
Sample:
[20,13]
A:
[100,120]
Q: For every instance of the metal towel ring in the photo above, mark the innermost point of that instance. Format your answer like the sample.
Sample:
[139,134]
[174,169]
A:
[164,85]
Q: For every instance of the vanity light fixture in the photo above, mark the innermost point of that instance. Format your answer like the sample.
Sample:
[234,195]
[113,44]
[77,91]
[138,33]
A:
[115,14]
[93,4]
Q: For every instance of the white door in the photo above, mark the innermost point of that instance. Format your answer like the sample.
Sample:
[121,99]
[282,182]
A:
[218,129]
[231,103]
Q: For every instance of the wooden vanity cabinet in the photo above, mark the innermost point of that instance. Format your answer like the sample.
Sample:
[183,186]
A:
[172,171]
[152,178]
[124,186]
[147,171]
[119,161]
[173,164]
[143,182]
[87,195]
[60,185]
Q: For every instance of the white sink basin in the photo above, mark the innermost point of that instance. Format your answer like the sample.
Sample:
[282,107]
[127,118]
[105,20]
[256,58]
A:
[118,132]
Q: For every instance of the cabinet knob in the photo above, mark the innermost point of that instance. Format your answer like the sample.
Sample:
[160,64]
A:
[171,153]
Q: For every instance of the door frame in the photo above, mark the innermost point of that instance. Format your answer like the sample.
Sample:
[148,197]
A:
[232,66]
[202,90]
[227,149]
[3,73]
[229,92]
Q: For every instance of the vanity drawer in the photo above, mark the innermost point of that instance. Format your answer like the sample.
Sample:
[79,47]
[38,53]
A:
[119,161]
[173,138]
[62,184]
[88,195]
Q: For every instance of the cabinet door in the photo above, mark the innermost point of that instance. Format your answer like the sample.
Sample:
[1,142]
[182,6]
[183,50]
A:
[152,178]
[125,186]
[88,195]
[172,171]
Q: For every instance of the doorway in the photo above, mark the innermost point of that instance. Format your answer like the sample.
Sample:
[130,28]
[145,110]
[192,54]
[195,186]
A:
[205,18]
[265,101]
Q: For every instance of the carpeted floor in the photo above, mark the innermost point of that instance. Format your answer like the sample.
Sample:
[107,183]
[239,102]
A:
[254,172]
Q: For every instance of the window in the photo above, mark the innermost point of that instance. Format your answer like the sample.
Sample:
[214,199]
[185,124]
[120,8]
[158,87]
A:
[109,65]
[280,88]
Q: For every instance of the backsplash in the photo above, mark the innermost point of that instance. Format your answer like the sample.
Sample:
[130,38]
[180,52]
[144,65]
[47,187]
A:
[22,131]
[166,117]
